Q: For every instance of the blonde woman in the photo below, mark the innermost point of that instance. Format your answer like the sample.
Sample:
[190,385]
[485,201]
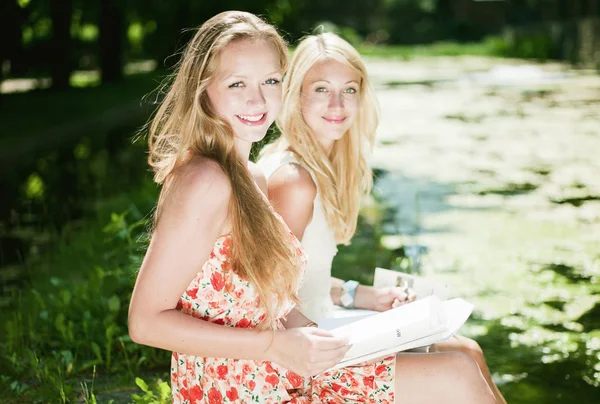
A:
[317,174]
[317,171]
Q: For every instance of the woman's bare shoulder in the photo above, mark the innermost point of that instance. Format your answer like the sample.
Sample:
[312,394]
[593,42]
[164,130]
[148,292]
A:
[199,182]
[293,182]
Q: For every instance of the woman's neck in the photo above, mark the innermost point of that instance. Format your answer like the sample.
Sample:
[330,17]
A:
[327,145]
[242,149]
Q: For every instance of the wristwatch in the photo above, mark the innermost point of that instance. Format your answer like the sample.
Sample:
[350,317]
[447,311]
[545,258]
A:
[348,293]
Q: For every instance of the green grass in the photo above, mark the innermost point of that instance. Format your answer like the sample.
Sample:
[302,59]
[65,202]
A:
[69,321]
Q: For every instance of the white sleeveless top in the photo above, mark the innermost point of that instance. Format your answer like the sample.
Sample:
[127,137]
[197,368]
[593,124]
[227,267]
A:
[319,244]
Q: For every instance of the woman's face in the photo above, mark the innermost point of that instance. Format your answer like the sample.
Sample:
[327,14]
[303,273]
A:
[246,90]
[330,100]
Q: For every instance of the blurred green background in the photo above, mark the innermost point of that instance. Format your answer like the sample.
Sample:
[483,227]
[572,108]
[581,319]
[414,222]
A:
[486,156]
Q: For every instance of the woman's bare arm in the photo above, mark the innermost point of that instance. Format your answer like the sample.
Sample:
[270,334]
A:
[193,214]
[296,319]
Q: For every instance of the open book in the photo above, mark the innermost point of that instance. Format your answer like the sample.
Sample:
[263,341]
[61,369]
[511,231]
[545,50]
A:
[421,286]
[420,323]
[429,319]
[413,325]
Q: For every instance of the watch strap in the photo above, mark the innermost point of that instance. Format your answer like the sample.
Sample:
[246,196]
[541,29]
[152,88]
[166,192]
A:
[348,294]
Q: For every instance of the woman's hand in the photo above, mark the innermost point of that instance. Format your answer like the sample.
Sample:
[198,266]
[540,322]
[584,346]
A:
[383,299]
[307,351]
[389,298]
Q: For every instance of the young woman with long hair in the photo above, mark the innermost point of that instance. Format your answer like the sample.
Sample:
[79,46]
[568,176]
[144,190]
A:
[317,174]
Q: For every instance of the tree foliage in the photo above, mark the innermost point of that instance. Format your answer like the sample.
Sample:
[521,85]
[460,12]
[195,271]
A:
[55,37]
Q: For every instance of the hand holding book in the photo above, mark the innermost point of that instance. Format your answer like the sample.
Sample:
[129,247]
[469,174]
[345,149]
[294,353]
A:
[426,321]
[421,286]
[420,323]
[387,298]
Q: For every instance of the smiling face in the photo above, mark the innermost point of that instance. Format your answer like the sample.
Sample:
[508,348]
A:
[330,99]
[246,89]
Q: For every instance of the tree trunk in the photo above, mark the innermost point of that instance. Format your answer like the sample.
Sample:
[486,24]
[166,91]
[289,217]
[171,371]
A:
[112,35]
[61,12]
[10,32]
[593,8]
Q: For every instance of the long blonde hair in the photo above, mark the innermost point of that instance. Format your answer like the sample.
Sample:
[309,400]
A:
[343,176]
[186,124]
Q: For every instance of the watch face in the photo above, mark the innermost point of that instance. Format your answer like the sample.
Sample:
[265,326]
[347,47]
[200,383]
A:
[346,300]
[350,285]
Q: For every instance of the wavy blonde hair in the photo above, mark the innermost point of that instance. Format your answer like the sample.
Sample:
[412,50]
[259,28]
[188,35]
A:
[343,177]
[186,124]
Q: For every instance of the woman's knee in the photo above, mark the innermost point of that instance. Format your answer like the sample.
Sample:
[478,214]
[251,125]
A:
[462,360]
[469,376]
[455,375]
[472,348]
[471,345]
[444,365]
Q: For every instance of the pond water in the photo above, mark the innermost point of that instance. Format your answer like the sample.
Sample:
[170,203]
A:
[493,166]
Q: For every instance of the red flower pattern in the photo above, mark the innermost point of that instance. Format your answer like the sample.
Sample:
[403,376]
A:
[220,296]
[214,396]
[196,394]
[193,293]
[251,385]
[221,372]
[272,379]
[217,282]
[246,369]
[243,323]
[269,368]
[232,394]
[380,369]
[294,379]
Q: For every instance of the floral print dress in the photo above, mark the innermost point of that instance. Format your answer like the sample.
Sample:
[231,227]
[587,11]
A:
[218,295]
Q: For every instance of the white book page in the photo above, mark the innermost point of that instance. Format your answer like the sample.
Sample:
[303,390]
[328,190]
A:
[331,323]
[457,311]
[403,324]
[422,286]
